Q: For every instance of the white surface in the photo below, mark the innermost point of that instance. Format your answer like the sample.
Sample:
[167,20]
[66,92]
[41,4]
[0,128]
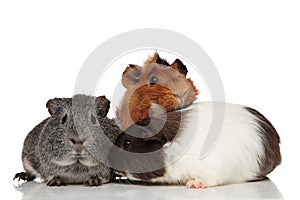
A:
[254,44]
[252,191]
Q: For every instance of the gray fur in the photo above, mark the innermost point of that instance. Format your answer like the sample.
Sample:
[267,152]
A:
[66,147]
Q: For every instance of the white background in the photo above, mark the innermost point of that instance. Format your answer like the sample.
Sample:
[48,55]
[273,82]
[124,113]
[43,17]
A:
[255,46]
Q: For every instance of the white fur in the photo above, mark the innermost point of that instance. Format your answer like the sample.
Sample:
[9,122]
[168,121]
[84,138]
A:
[39,180]
[234,156]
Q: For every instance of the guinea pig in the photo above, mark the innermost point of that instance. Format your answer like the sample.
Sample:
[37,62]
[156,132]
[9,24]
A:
[156,82]
[61,149]
[167,147]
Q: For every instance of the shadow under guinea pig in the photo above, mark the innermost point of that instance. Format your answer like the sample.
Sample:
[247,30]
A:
[252,190]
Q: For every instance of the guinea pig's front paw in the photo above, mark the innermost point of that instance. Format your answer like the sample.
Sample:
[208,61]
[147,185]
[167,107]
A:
[198,183]
[24,176]
[56,181]
[95,181]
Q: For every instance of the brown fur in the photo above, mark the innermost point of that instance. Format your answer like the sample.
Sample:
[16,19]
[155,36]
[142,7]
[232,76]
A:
[151,59]
[271,140]
[172,90]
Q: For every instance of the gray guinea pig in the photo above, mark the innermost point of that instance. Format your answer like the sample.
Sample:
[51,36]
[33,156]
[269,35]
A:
[66,147]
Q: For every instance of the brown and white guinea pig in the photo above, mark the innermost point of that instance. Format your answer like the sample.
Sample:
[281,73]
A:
[246,149]
[156,82]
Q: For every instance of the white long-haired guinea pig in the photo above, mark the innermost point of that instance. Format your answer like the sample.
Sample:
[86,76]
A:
[204,145]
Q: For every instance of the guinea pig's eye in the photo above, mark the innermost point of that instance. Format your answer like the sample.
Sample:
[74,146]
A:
[153,80]
[93,119]
[64,119]
[126,144]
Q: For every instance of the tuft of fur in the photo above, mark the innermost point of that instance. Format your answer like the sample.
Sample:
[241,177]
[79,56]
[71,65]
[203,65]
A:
[172,90]
[62,149]
[156,59]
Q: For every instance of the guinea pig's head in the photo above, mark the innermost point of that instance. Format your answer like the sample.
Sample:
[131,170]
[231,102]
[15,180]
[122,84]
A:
[73,127]
[155,82]
[137,158]
[139,151]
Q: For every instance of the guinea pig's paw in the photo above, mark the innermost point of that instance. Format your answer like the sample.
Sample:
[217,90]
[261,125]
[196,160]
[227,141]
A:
[56,181]
[24,176]
[94,181]
[198,183]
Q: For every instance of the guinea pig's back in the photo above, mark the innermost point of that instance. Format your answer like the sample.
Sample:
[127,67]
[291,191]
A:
[30,156]
[224,143]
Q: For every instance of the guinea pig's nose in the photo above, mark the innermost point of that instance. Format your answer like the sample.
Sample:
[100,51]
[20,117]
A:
[78,148]
[77,141]
[77,145]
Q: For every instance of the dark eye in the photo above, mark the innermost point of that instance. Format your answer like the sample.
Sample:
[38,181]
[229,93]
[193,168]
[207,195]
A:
[64,119]
[126,144]
[93,119]
[153,80]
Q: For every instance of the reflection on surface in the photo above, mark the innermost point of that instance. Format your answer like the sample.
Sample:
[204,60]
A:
[252,190]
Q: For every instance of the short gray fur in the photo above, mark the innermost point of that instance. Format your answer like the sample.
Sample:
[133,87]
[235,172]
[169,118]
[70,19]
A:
[58,151]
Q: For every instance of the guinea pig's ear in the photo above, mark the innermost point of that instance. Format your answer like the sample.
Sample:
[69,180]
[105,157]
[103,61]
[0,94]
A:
[131,75]
[53,105]
[179,66]
[103,105]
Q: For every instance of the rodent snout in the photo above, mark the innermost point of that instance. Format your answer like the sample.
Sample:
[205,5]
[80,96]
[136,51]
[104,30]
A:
[77,145]
[179,98]
[182,95]
[78,148]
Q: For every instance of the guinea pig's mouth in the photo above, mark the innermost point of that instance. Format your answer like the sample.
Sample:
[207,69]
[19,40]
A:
[184,100]
[78,156]
[77,159]
[84,161]
[180,98]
